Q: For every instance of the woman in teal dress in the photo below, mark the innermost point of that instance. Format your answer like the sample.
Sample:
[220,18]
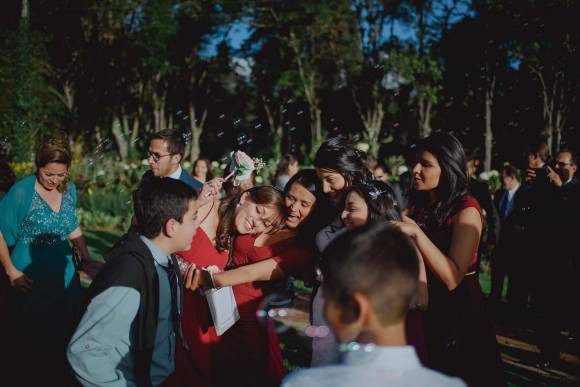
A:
[38,217]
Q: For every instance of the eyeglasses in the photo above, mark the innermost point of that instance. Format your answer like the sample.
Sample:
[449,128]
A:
[156,157]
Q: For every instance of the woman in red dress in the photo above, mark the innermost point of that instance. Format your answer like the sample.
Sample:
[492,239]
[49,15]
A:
[259,208]
[250,350]
[460,337]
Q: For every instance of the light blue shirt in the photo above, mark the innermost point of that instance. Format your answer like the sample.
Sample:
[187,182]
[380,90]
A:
[381,366]
[100,349]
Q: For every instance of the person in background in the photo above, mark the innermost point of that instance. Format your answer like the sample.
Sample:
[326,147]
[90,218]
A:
[287,167]
[166,149]
[480,191]
[381,172]
[202,170]
[557,269]
[506,259]
[38,218]
[370,278]
[130,325]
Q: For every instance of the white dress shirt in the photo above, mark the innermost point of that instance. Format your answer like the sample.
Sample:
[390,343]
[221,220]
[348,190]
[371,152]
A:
[177,174]
[381,366]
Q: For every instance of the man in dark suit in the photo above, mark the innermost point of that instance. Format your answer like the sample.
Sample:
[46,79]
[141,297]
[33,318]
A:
[480,191]
[166,149]
[507,256]
[560,273]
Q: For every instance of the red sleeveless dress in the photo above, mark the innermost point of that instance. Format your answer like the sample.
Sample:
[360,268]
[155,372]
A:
[196,322]
[248,354]
[459,335]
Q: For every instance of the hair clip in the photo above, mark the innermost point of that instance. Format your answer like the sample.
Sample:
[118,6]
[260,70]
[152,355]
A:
[373,191]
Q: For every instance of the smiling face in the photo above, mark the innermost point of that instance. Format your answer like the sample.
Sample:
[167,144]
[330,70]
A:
[252,218]
[161,162]
[356,211]
[333,184]
[51,175]
[427,172]
[299,203]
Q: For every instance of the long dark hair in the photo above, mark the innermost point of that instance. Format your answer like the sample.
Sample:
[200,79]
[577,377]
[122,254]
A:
[340,155]
[380,200]
[453,182]
[264,195]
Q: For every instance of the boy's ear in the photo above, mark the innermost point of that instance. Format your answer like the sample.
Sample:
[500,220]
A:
[170,227]
[361,308]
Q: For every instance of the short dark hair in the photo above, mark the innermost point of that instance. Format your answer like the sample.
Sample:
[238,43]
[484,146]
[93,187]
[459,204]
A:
[511,171]
[158,200]
[540,148]
[174,139]
[377,260]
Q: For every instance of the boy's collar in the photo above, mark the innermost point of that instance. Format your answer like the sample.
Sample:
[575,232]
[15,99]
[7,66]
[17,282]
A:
[158,255]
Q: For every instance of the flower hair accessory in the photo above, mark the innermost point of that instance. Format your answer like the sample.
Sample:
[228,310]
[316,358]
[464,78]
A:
[374,192]
[242,166]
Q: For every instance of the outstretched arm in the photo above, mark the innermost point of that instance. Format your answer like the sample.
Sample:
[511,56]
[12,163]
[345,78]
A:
[450,268]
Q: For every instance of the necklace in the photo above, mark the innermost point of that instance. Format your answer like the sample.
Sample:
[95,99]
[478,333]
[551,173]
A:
[354,346]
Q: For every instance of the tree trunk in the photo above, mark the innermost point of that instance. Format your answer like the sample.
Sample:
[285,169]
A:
[196,127]
[120,138]
[24,12]
[489,93]
[424,105]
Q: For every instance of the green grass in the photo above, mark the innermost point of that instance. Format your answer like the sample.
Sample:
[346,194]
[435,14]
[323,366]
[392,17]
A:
[99,242]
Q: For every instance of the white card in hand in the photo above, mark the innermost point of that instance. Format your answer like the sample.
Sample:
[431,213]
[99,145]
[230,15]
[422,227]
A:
[223,308]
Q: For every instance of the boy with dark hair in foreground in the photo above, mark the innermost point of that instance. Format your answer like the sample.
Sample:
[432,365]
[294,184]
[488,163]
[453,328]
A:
[370,278]
[127,334]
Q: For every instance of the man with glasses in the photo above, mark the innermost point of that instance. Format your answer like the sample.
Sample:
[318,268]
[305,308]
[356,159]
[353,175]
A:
[563,274]
[166,149]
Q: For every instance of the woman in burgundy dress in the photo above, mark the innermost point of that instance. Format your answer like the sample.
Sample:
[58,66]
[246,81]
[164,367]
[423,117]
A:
[250,350]
[257,209]
[460,337]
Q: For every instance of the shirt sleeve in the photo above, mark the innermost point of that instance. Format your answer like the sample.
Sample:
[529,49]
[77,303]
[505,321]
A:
[108,320]
[11,211]
[73,193]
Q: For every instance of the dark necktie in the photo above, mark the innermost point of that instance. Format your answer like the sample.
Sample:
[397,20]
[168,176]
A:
[176,310]
[176,306]
[503,207]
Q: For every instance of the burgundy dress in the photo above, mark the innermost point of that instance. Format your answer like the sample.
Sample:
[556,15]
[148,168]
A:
[248,354]
[460,337]
[196,322]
